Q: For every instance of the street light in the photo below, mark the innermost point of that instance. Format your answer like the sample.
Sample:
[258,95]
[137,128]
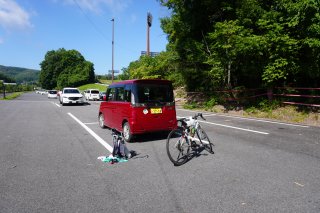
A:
[112,48]
[149,23]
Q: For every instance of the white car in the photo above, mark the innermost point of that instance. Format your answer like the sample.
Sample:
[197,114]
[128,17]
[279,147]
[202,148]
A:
[92,94]
[71,96]
[52,94]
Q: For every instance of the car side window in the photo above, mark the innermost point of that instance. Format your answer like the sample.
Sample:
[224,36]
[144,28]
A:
[120,94]
[111,94]
[127,95]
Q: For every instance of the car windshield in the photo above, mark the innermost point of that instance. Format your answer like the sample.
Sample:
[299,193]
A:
[151,93]
[94,92]
[71,91]
[53,92]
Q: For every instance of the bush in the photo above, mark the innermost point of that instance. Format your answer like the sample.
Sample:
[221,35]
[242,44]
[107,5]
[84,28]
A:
[211,103]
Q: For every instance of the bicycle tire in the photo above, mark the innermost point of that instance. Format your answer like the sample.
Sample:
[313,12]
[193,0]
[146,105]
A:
[177,147]
[202,135]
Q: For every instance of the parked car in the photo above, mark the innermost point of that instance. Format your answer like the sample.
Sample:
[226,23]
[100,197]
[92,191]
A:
[92,94]
[52,94]
[71,96]
[138,106]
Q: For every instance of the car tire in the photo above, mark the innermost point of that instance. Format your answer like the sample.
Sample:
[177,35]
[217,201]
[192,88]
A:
[126,132]
[101,121]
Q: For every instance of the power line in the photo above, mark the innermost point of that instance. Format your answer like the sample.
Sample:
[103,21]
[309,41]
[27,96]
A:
[91,22]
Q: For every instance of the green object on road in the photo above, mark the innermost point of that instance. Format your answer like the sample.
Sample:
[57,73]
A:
[111,159]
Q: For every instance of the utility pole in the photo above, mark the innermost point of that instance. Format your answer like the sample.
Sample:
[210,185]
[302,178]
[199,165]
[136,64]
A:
[112,49]
[149,23]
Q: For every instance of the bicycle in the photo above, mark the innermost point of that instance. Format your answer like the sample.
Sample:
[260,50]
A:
[189,135]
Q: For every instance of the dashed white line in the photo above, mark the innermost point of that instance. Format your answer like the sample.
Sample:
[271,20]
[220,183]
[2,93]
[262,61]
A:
[97,137]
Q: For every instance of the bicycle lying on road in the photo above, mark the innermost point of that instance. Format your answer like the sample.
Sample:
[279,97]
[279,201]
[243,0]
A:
[188,136]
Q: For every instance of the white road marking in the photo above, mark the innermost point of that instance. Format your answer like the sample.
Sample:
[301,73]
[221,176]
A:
[91,123]
[299,184]
[250,119]
[232,127]
[57,105]
[97,137]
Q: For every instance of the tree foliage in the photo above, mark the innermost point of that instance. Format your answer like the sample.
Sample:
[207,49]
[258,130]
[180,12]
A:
[62,68]
[251,43]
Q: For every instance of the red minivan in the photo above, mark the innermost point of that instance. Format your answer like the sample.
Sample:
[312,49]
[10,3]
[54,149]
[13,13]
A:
[138,106]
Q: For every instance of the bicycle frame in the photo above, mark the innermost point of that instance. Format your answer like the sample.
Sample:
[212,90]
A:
[195,123]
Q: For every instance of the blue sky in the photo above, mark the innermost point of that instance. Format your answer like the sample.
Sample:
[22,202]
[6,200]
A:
[31,28]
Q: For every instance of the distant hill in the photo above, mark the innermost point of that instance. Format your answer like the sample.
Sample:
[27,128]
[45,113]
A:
[20,75]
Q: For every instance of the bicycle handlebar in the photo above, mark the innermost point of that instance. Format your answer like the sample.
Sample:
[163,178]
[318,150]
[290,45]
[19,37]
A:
[183,120]
[198,115]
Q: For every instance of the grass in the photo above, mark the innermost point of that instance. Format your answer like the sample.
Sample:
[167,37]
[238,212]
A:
[12,96]
[287,114]
[100,87]
[107,81]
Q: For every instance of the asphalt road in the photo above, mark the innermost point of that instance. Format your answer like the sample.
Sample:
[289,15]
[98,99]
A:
[48,163]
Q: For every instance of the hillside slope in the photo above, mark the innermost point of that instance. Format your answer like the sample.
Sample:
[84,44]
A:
[20,75]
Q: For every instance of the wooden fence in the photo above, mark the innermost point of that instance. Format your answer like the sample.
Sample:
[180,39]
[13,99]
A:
[287,95]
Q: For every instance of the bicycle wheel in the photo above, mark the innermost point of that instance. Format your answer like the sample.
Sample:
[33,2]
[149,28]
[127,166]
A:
[177,147]
[205,140]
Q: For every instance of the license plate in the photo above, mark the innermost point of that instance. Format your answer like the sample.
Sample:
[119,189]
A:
[156,110]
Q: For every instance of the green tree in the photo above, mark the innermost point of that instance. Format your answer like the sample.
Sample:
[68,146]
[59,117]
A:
[64,68]
[219,43]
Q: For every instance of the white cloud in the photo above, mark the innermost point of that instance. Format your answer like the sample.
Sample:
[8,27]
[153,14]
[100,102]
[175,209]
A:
[96,6]
[12,16]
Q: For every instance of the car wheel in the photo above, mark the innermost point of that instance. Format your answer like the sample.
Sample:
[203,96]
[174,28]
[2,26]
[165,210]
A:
[126,132]
[101,121]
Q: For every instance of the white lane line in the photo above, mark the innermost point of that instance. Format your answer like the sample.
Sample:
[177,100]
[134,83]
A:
[232,127]
[97,137]
[299,184]
[56,104]
[91,123]
[250,119]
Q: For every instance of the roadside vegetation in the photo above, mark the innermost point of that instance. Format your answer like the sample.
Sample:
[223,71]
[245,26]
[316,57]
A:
[12,96]
[273,110]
